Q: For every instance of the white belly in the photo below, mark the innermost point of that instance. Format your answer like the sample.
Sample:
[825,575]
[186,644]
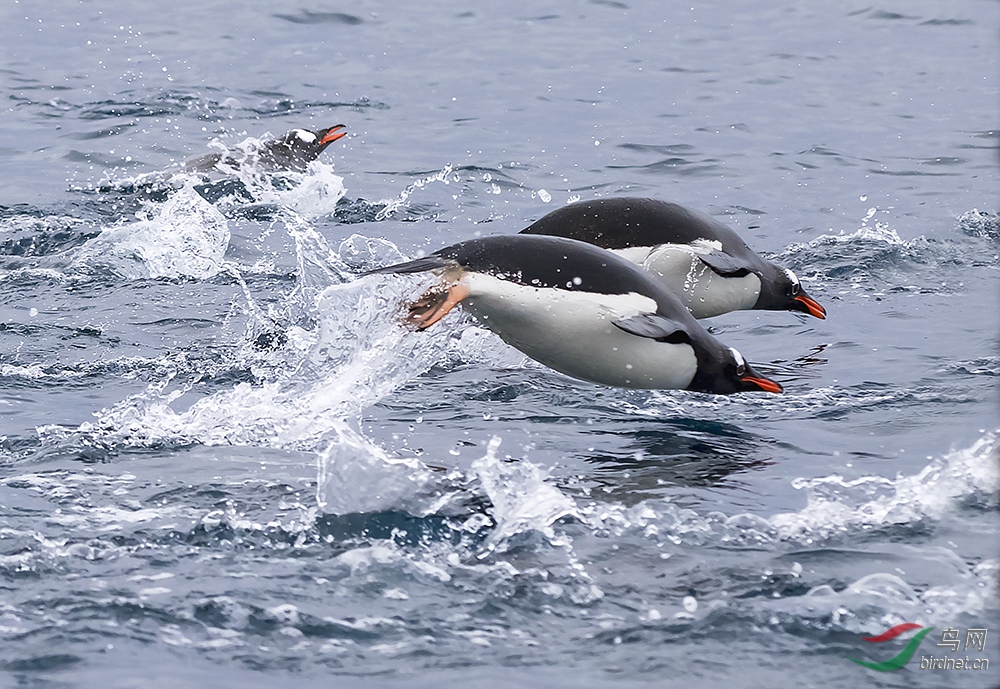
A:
[702,290]
[572,332]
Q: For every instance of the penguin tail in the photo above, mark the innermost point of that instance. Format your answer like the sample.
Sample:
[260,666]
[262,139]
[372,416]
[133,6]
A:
[439,300]
[419,265]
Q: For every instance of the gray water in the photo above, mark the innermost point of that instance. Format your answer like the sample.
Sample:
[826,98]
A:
[223,463]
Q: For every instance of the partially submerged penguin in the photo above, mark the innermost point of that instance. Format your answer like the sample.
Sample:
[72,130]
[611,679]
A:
[580,310]
[293,151]
[697,257]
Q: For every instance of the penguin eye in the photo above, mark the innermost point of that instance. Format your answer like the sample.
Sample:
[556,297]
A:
[741,369]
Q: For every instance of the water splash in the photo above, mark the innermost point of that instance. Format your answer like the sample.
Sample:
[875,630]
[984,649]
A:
[977,223]
[875,256]
[358,354]
[310,194]
[836,505]
[355,476]
[445,175]
[184,237]
[27,234]
[523,500]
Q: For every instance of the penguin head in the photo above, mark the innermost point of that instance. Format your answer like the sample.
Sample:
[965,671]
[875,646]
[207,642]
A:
[299,147]
[723,371]
[313,142]
[781,290]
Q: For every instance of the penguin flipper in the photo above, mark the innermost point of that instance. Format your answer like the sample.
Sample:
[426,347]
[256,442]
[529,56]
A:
[724,264]
[655,327]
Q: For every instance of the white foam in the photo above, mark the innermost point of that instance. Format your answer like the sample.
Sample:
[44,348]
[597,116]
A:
[311,194]
[835,506]
[183,237]
[30,372]
[838,505]
[523,499]
[30,225]
[355,477]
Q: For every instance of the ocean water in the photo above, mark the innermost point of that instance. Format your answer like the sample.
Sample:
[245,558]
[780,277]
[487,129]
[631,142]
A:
[224,463]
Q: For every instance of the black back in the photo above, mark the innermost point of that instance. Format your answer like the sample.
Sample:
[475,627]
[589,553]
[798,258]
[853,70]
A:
[542,261]
[620,223]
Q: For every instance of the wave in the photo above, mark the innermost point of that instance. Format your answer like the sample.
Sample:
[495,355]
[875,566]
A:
[26,232]
[875,257]
[837,509]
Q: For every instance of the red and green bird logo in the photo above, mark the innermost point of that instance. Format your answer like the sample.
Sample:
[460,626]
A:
[901,658]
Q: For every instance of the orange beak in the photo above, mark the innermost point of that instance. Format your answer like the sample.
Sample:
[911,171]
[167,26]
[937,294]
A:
[812,306]
[763,383]
[337,131]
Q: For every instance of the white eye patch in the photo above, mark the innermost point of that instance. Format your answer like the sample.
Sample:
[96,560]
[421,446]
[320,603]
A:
[308,137]
[792,277]
[740,361]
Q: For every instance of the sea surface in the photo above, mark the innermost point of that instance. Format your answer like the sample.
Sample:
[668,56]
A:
[224,462]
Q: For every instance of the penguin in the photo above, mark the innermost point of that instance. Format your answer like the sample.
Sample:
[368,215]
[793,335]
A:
[580,310]
[292,152]
[697,257]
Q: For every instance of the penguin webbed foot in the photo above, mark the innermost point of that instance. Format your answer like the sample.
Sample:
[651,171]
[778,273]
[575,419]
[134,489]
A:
[435,304]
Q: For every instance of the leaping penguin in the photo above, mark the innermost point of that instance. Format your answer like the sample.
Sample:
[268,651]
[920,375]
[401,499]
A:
[697,257]
[580,310]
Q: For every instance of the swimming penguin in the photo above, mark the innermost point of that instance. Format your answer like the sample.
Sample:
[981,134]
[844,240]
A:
[580,310]
[697,257]
[293,151]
